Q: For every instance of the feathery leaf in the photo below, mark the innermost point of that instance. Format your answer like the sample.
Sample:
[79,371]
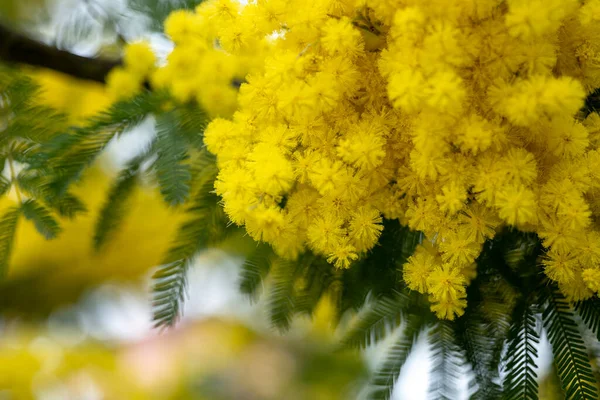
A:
[280,299]
[113,210]
[170,279]
[39,187]
[384,378]
[69,153]
[44,222]
[4,185]
[375,319]
[255,269]
[192,121]
[173,173]
[480,346]
[524,337]
[314,283]
[447,361]
[589,310]
[8,227]
[169,290]
[570,353]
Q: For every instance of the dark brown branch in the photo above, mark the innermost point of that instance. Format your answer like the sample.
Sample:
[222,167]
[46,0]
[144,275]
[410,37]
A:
[18,48]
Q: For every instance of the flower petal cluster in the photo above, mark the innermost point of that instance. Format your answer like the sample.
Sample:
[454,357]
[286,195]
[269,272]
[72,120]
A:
[457,117]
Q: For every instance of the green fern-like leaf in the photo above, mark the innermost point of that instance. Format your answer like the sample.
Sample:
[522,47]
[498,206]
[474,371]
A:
[70,153]
[114,207]
[34,123]
[169,290]
[479,344]
[67,205]
[520,379]
[192,122]
[8,227]
[4,185]
[193,235]
[447,362]
[375,320]
[280,299]
[384,378]
[172,171]
[255,269]
[570,353]
[43,221]
[589,310]
[314,283]
[40,187]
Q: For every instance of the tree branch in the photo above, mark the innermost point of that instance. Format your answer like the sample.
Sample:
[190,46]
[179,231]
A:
[18,48]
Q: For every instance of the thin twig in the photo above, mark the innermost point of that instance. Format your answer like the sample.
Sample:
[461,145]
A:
[18,48]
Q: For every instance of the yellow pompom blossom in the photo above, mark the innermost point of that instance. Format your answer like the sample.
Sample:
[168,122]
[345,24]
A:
[139,58]
[200,68]
[122,83]
[138,63]
[457,117]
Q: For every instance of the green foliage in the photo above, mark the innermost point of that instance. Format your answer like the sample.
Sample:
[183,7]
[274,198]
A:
[173,173]
[26,128]
[114,207]
[570,354]
[383,379]
[379,273]
[482,331]
[280,298]
[170,283]
[170,280]
[313,282]
[4,185]
[191,122]
[520,380]
[35,184]
[447,361]
[254,270]
[375,320]
[70,153]
[44,222]
[589,311]
[8,227]
[482,348]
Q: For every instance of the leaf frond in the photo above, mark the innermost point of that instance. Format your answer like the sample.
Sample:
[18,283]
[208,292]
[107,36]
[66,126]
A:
[193,235]
[172,170]
[447,360]
[375,320]
[384,378]
[589,310]
[43,221]
[114,208]
[568,347]
[520,381]
[280,296]
[70,153]
[169,291]
[255,269]
[8,228]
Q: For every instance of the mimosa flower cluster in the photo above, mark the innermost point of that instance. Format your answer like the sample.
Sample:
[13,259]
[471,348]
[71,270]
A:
[195,70]
[457,117]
